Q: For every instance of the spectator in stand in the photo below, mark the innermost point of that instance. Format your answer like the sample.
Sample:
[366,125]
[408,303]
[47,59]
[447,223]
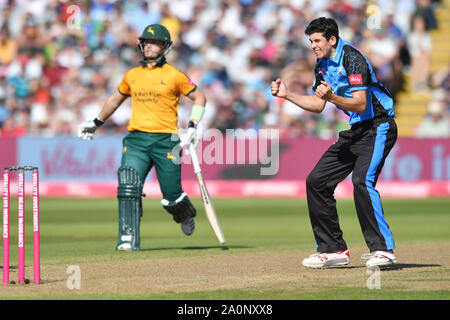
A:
[402,56]
[425,10]
[420,46]
[12,128]
[435,124]
[31,39]
[382,50]
[8,47]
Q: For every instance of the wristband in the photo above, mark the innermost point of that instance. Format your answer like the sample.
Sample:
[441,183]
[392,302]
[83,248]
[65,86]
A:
[197,112]
[98,122]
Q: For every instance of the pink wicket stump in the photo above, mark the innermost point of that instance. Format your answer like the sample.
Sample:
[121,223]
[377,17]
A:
[36,244]
[6,180]
[21,225]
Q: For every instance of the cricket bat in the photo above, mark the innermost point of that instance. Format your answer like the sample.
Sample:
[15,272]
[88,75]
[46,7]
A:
[209,208]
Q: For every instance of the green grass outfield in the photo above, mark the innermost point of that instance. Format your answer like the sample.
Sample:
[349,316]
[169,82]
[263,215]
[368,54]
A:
[79,231]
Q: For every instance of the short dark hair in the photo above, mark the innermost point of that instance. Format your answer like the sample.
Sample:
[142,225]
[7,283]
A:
[326,26]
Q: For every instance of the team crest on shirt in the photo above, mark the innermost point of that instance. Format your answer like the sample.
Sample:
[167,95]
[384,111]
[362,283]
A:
[170,156]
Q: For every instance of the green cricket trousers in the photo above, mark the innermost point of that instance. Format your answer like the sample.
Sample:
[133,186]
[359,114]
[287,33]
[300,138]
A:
[143,151]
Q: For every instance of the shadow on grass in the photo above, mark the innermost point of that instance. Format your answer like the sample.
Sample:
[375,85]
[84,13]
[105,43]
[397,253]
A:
[197,248]
[10,267]
[387,268]
[342,267]
[401,266]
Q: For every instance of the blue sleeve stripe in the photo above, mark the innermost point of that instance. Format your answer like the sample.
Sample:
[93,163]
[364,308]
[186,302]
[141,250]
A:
[357,88]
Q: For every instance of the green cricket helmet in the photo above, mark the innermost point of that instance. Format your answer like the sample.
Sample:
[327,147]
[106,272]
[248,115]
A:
[155,32]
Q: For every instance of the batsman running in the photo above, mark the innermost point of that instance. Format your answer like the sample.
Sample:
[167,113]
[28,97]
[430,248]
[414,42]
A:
[155,88]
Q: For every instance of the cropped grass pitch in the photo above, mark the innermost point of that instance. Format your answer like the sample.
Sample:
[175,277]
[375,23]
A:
[84,231]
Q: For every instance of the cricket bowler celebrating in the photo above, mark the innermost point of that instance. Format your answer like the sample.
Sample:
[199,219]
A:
[155,88]
[344,77]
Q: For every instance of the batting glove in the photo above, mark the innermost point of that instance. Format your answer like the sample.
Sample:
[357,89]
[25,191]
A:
[87,129]
[191,136]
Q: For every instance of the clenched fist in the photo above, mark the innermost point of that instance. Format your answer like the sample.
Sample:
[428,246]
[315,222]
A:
[278,88]
[324,90]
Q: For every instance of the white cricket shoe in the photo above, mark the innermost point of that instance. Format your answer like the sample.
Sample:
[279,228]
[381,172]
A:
[188,226]
[125,246]
[368,255]
[381,259]
[322,260]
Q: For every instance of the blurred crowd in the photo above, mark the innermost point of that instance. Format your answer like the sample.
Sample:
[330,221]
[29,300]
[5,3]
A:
[60,60]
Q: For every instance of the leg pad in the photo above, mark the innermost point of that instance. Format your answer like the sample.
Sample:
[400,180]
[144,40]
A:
[129,194]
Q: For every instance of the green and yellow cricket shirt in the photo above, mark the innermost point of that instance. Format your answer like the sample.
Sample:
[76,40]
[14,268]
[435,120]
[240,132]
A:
[155,94]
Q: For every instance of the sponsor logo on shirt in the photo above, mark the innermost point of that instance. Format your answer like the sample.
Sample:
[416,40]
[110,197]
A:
[355,79]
